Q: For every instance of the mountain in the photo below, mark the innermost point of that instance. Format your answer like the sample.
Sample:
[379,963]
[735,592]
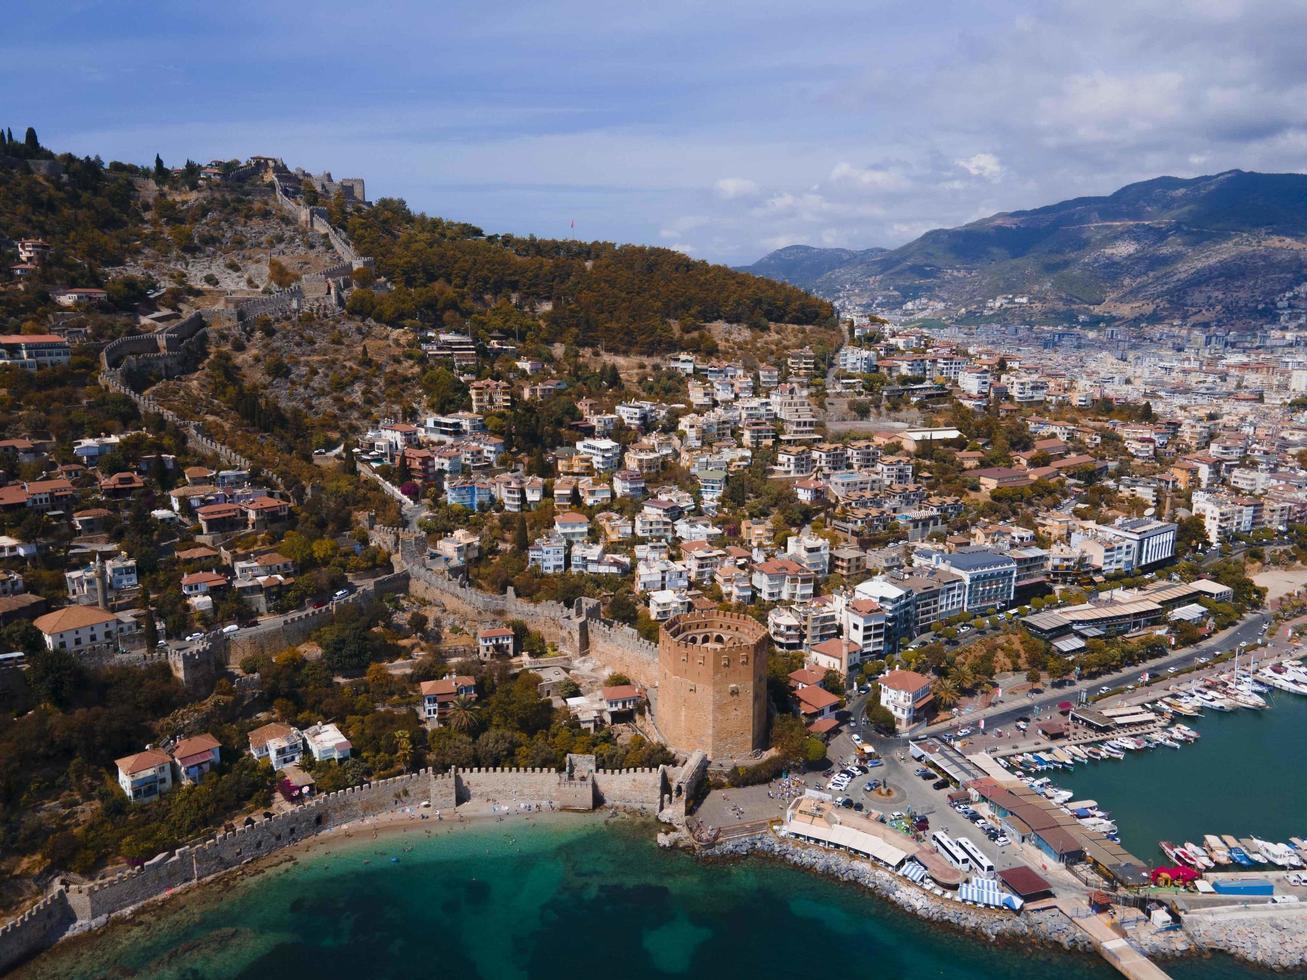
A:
[804,265]
[1228,249]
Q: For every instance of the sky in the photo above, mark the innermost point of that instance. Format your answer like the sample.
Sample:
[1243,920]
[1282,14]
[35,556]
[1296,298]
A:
[721,128]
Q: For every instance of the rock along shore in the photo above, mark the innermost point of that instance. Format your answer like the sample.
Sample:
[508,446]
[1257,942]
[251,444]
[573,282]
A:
[1048,926]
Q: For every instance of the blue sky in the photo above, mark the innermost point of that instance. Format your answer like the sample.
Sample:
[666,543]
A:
[722,128]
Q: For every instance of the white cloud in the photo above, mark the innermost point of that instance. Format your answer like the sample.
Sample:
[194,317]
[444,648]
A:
[872,178]
[984,165]
[731,188]
[683,247]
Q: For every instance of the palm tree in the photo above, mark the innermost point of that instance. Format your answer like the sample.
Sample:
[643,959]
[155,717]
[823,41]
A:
[946,692]
[462,715]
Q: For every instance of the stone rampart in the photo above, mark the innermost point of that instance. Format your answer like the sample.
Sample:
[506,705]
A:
[44,924]
[37,929]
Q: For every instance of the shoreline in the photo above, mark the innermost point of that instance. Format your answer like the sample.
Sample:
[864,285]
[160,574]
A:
[1049,928]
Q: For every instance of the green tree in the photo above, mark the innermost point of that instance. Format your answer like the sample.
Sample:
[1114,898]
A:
[463,714]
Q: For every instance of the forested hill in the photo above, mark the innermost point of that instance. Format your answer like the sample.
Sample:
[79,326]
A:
[625,298]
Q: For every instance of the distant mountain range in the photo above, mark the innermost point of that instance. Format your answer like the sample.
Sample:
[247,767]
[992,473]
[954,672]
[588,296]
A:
[1229,249]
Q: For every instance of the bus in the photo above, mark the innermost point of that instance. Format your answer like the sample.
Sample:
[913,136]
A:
[980,864]
[950,851]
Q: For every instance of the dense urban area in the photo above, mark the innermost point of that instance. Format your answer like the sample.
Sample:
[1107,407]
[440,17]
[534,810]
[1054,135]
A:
[315,508]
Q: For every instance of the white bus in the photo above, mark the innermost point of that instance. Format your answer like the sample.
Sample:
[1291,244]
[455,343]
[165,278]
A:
[980,864]
[953,854]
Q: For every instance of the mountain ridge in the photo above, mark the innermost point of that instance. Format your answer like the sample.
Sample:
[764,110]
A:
[1228,248]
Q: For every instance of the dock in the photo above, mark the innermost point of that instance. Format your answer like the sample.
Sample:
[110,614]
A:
[1111,945]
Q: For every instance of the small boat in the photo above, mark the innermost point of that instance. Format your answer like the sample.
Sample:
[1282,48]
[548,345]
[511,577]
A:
[1253,851]
[1240,857]
[1218,851]
[1112,752]
[1094,752]
[1184,857]
[1299,843]
[1187,732]
[1200,856]
[1169,850]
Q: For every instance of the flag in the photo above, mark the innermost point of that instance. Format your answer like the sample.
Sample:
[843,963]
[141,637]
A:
[573,223]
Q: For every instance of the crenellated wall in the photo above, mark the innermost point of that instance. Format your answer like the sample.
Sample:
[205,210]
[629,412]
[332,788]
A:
[577,788]
[37,929]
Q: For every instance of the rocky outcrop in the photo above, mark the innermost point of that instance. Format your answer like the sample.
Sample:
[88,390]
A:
[1273,936]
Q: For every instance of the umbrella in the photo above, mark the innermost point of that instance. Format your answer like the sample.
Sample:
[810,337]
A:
[1064,706]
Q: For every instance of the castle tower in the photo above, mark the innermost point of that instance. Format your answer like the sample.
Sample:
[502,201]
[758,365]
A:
[712,684]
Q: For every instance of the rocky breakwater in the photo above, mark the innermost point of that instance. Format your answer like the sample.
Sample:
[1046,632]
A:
[1047,926]
[1273,936]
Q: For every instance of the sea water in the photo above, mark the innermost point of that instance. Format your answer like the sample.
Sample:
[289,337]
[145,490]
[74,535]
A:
[557,897]
[1243,777]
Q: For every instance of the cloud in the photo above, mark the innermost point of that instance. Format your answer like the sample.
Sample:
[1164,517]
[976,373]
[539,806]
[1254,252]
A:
[984,165]
[731,188]
[872,178]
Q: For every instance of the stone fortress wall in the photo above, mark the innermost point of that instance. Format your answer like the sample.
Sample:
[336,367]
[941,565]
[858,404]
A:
[579,787]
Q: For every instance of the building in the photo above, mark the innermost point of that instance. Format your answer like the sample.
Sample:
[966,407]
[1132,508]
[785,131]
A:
[81,628]
[989,579]
[906,694]
[712,684]
[195,756]
[438,695]
[549,554]
[326,742]
[145,776]
[34,351]
[281,745]
[494,641]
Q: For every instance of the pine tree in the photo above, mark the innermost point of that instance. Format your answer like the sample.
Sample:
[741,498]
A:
[159,169]
[521,541]
[30,139]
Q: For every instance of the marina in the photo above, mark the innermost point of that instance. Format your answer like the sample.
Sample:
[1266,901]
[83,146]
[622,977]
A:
[1226,802]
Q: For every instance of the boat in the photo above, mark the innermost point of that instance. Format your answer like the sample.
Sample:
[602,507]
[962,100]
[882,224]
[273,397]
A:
[1187,732]
[1299,843]
[1169,850]
[1099,824]
[1200,856]
[1240,857]
[1253,851]
[1218,851]
[1279,854]
[1094,752]
[1111,751]
[1183,855]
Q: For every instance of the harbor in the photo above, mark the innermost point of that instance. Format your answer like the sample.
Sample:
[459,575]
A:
[1213,750]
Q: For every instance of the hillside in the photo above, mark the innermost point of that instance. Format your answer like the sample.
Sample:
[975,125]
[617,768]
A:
[804,265]
[1229,249]
[624,298]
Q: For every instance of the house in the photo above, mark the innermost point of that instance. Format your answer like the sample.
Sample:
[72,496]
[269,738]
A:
[491,396]
[572,527]
[548,554]
[264,512]
[664,604]
[281,745]
[121,485]
[34,351]
[195,756]
[81,628]
[834,654]
[439,694]
[326,742]
[202,583]
[220,518]
[782,580]
[76,295]
[145,776]
[815,704]
[621,699]
[906,694]
[494,641]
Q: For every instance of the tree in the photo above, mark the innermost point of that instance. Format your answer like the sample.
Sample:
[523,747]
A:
[463,714]
[521,541]
[160,171]
[30,140]
[1033,675]
[55,676]
[946,692]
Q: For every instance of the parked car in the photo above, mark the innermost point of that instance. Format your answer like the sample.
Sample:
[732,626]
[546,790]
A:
[857,739]
[230,629]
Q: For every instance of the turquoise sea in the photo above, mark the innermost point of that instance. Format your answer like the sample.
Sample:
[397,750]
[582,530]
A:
[1243,777]
[563,897]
